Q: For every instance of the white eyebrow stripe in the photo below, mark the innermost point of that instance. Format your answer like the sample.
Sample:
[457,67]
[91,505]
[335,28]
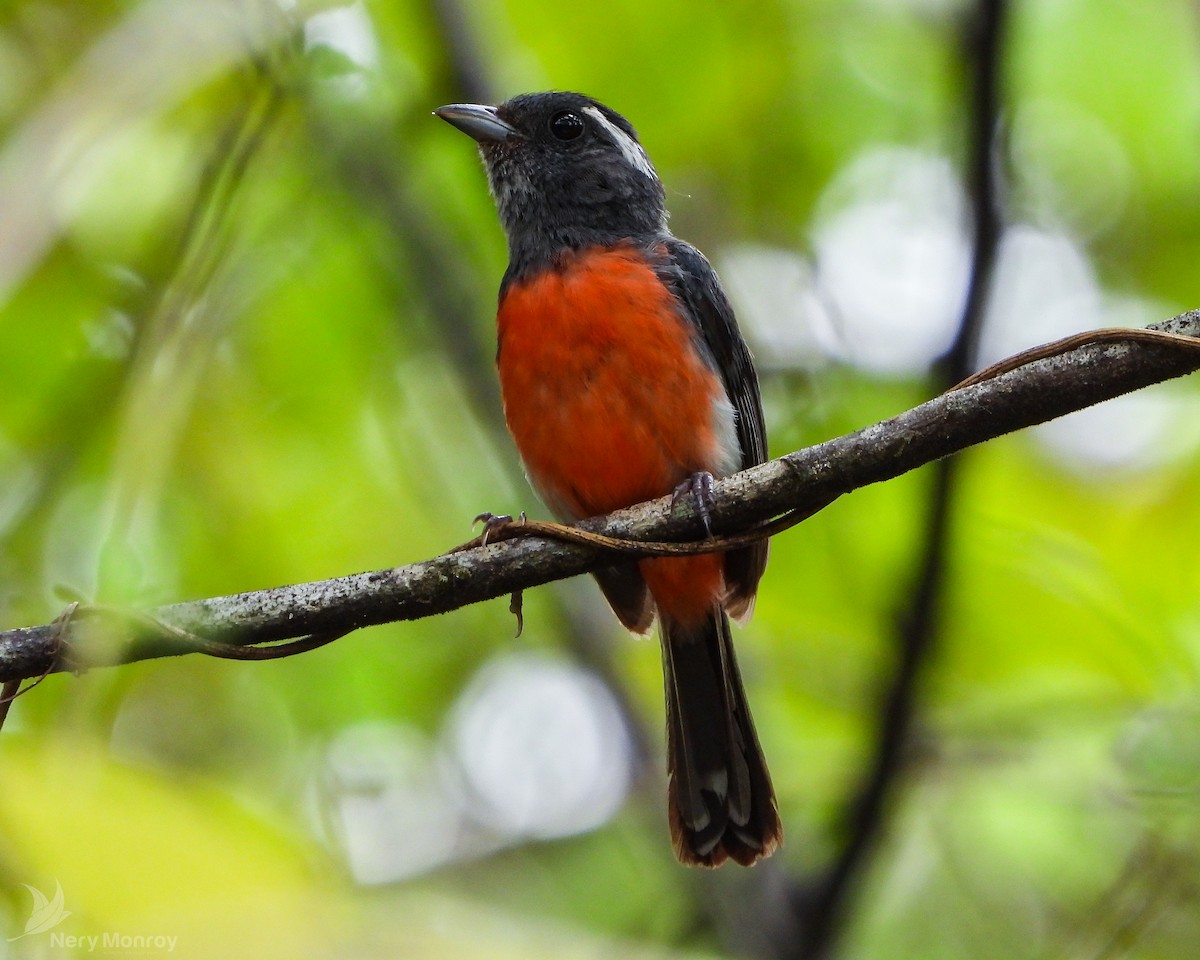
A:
[630,149]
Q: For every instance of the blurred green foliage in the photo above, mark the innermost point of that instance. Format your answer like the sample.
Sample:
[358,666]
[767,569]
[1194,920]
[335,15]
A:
[246,296]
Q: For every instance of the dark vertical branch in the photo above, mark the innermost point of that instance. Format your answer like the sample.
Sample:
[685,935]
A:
[983,46]
[373,164]
[467,73]
[824,909]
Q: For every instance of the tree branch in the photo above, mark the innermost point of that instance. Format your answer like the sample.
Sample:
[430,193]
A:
[1032,394]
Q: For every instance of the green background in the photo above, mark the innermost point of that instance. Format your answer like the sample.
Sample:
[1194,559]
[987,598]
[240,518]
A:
[247,286]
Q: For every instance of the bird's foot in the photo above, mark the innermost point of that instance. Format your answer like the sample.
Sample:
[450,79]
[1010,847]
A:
[699,486]
[494,525]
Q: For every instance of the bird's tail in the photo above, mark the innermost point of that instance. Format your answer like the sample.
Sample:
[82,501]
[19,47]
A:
[720,802]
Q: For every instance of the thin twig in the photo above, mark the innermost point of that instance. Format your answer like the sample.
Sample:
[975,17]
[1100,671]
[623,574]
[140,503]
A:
[1057,348]
[564,533]
[8,693]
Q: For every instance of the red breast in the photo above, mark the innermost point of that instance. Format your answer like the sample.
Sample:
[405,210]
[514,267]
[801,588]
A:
[609,401]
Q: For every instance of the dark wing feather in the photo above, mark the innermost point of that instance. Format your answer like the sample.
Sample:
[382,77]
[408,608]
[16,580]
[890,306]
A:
[626,593]
[695,283]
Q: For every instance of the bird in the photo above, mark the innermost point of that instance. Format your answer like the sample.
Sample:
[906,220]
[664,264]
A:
[624,378]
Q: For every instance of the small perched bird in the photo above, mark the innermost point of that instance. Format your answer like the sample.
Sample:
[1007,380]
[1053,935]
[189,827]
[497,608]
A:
[625,378]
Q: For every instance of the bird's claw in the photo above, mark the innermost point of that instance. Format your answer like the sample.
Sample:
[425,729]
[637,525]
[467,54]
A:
[493,523]
[699,486]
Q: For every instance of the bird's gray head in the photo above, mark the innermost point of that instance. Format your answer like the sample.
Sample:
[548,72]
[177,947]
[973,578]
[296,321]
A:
[565,171]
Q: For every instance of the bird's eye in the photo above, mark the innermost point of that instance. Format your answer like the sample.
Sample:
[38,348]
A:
[566,125]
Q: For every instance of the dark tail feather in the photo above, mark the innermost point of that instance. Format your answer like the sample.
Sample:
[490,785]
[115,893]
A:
[720,803]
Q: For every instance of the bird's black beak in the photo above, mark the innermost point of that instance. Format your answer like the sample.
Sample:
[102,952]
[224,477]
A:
[478,121]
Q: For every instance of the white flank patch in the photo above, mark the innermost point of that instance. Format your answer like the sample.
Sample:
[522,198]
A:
[729,449]
[631,150]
